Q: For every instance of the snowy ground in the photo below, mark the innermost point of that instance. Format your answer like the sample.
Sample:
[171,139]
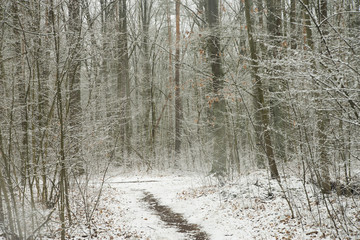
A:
[249,208]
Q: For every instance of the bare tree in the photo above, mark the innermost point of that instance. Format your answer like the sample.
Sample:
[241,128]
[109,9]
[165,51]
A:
[123,80]
[178,104]
[75,109]
[148,90]
[218,100]
[277,84]
[259,96]
[323,121]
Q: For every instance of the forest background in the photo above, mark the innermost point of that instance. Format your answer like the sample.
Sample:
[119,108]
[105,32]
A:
[223,87]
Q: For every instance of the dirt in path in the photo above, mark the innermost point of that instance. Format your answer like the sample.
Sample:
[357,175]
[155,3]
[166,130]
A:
[173,219]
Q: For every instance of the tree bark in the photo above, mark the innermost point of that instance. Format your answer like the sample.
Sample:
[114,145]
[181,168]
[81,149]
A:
[308,33]
[293,43]
[2,68]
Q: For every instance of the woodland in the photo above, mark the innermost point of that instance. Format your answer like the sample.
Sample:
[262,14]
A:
[221,87]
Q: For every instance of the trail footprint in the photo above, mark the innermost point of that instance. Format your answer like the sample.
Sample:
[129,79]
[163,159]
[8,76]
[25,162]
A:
[173,219]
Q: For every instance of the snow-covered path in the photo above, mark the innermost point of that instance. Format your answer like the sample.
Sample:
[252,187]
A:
[173,219]
[190,206]
[168,190]
[137,213]
[250,207]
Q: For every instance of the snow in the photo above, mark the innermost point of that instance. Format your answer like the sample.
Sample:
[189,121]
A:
[248,207]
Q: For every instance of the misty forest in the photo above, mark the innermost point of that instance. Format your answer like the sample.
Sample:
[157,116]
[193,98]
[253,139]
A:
[206,107]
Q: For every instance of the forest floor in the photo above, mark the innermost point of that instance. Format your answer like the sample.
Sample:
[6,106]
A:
[188,205]
[191,206]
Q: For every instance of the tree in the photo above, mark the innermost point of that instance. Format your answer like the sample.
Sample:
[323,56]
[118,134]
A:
[2,112]
[75,109]
[218,101]
[147,81]
[178,104]
[19,76]
[123,83]
[2,68]
[293,43]
[259,138]
[170,121]
[259,96]
[323,121]
[44,96]
[277,84]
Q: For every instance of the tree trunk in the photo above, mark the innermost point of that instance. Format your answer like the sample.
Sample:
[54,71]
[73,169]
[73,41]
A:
[147,78]
[277,84]
[20,80]
[123,79]
[178,104]
[60,111]
[43,72]
[170,120]
[293,43]
[4,192]
[218,100]
[2,68]
[323,121]
[2,111]
[104,69]
[308,33]
[75,110]
[259,96]
[258,128]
